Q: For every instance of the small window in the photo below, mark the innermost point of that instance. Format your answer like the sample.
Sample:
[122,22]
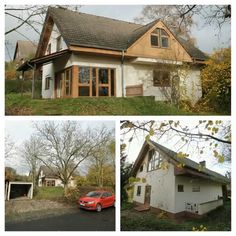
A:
[159,38]
[47,83]
[154,40]
[138,190]
[141,168]
[180,188]
[59,47]
[49,49]
[161,78]
[196,188]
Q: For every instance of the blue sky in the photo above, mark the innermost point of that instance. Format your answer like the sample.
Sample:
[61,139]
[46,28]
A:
[208,37]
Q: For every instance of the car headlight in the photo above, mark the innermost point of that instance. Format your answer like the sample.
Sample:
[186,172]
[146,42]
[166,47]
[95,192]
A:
[90,202]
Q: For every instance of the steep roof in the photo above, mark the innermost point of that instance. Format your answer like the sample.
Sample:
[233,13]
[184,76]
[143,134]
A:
[81,29]
[186,161]
[49,172]
[25,49]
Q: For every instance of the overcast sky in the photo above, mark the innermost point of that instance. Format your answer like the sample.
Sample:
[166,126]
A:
[19,131]
[208,37]
[133,148]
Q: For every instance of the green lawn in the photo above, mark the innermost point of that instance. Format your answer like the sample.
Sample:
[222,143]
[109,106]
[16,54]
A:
[217,220]
[50,193]
[24,105]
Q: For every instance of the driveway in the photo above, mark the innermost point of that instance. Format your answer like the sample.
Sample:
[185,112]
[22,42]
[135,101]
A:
[79,220]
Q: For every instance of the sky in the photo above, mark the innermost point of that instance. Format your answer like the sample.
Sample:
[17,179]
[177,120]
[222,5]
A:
[19,131]
[208,37]
[133,148]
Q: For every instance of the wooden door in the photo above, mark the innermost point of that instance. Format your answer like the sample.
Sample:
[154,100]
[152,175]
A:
[148,190]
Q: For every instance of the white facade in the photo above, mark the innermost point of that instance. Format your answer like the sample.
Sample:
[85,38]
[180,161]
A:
[199,195]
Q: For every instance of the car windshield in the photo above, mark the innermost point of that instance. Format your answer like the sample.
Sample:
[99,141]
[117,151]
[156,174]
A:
[93,194]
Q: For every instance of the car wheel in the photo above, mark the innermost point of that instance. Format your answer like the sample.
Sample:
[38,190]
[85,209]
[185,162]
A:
[99,207]
[114,204]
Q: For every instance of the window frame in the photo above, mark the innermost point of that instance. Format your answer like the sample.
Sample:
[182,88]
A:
[59,43]
[49,49]
[158,32]
[154,160]
[47,83]
[156,81]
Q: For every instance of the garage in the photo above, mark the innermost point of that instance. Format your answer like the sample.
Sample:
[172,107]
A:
[19,190]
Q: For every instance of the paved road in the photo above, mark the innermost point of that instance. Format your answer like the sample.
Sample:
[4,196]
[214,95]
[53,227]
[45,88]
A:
[79,221]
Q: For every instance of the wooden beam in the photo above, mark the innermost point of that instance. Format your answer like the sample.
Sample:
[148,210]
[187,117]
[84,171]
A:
[109,82]
[75,72]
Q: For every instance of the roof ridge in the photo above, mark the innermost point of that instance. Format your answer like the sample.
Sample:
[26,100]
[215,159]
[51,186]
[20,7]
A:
[79,12]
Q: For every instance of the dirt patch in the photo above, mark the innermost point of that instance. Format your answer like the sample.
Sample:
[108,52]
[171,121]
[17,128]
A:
[25,209]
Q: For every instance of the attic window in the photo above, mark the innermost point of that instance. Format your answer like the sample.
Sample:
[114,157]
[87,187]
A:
[159,38]
[161,78]
[59,44]
[154,160]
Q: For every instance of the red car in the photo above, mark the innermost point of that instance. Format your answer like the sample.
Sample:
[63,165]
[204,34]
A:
[97,200]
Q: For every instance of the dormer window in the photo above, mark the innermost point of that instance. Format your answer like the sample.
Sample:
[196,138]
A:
[49,49]
[159,38]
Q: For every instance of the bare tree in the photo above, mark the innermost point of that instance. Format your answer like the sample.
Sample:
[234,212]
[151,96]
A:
[9,147]
[31,152]
[180,18]
[66,145]
[215,135]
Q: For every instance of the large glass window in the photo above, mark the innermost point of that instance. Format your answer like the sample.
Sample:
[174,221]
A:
[138,191]
[154,160]
[68,78]
[84,75]
[103,76]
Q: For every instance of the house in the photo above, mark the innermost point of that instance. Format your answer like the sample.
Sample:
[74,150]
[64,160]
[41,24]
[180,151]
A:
[49,177]
[178,186]
[87,55]
[24,50]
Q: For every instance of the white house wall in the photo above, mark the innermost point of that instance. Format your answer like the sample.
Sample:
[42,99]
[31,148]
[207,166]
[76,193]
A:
[209,191]
[53,40]
[162,187]
[48,71]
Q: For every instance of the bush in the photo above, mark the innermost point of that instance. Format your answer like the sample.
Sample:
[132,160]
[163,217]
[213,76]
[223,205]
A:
[216,81]
[72,195]
[16,86]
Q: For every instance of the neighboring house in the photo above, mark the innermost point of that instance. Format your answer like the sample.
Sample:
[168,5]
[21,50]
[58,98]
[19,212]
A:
[24,50]
[49,177]
[88,55]
[178,186]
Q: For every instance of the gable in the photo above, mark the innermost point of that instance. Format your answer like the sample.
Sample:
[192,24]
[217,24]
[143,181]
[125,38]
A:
[143,48]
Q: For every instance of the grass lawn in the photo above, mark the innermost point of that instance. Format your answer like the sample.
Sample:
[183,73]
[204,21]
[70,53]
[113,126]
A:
[217,220]
[24,105]
[50,193]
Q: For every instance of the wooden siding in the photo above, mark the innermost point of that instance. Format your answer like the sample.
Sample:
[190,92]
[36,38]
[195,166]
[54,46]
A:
[142,47]
[134,90]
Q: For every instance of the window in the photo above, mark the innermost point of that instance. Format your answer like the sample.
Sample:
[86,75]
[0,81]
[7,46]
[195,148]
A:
[59,46]
[154,40]
[84,75]
[49,49]
[50,183]
[138,191]
[161,78]
[154,160]
[68,78]
[141,168]
[159,38]
[47,83]
[180,188]
[196,188]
